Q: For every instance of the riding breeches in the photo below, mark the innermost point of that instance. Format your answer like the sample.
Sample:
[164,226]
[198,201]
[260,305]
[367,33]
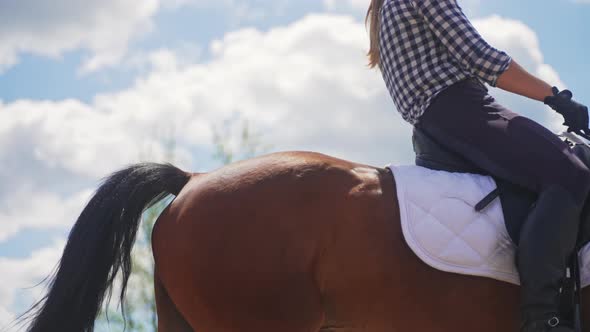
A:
[467,120]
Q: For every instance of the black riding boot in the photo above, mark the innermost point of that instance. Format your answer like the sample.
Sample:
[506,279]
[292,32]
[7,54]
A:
[547,240]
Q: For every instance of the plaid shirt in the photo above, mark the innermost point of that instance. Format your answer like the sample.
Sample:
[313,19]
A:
[428,45]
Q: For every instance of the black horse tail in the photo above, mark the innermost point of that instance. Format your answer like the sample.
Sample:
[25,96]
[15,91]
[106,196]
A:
[99,245]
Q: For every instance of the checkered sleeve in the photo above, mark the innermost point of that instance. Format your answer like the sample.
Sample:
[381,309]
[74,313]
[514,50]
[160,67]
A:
[462,41]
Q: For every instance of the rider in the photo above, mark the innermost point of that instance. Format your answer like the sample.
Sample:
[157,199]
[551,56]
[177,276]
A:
[434,64]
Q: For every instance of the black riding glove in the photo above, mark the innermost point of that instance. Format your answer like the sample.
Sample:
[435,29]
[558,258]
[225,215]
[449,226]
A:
[574,113]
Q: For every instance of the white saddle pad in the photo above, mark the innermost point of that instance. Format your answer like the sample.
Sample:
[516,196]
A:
[443,229]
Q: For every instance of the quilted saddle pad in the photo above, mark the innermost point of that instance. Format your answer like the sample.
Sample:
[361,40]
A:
[441,226]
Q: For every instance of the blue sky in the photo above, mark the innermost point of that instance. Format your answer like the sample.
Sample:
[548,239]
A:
[85,90]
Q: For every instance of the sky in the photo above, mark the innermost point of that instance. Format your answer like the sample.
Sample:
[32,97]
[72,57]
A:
[89,87]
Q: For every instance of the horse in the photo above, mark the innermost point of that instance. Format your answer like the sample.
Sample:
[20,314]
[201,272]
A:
[289,241]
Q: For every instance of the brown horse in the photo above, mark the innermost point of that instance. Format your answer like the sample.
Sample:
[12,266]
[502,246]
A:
[290,242]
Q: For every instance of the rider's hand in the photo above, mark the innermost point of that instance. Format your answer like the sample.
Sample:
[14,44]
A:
[574,113]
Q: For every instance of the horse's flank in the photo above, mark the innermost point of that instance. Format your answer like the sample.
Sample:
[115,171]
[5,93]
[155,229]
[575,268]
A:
[262,238]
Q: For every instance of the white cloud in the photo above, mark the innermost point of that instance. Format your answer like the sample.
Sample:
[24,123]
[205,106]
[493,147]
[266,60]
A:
[51,28]
[28,208]
[66,135]
[6,316]
[19,275]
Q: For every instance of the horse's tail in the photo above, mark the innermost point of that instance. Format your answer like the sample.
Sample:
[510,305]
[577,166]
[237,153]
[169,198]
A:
[99,245]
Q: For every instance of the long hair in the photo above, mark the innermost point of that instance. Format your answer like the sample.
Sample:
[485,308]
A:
[375,25]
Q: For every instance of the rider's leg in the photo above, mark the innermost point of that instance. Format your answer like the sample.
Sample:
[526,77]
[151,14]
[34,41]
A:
[467,120]
[547,240]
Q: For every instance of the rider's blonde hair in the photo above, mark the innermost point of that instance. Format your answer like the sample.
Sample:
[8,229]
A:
[375,22]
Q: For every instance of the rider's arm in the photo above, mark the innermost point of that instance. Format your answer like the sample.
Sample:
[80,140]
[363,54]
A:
[448,22]
[517,80]
[462,41]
